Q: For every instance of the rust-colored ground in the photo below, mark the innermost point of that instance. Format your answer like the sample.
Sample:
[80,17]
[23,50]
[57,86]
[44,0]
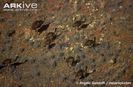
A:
[65,42]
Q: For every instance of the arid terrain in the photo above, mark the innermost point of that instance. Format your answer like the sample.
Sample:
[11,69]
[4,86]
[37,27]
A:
[66,42]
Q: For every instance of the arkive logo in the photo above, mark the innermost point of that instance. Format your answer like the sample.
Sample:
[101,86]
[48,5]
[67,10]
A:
[23,6]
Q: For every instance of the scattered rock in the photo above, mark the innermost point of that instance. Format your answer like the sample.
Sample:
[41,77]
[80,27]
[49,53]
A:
[104,45]
[91,71]
[36,44]
[112,61]
[49,56]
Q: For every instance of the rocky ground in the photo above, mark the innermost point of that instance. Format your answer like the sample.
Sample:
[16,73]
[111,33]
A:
[65,42]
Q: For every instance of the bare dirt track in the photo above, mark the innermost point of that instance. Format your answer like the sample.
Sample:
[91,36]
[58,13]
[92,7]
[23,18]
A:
[65,42]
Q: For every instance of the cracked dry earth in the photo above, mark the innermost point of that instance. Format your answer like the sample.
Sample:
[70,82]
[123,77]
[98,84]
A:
[65,42]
